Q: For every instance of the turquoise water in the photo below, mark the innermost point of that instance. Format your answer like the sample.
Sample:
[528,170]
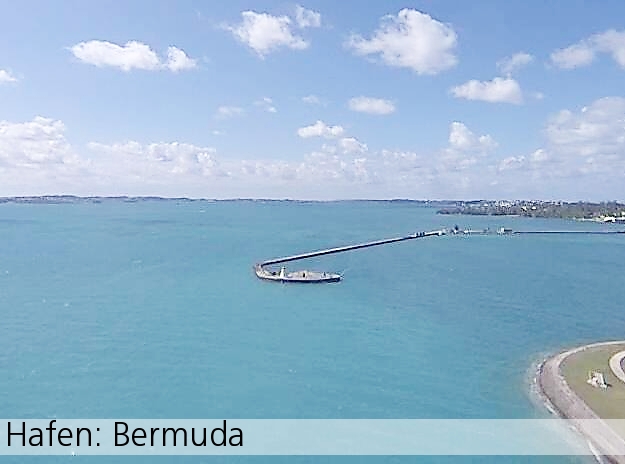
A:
[151,310]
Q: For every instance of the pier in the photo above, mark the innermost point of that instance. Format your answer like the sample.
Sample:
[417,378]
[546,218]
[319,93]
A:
[323,277]
[330,251]
[564,232]
[326,277]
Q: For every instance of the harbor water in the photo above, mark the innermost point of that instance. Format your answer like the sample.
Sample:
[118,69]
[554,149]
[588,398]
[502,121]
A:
[151,309]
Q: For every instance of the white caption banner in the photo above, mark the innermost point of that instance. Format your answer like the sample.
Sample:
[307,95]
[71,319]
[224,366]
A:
[309,437]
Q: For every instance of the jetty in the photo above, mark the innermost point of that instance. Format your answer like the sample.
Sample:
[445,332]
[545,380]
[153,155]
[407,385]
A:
[568,232]
[263,272]
[325,277]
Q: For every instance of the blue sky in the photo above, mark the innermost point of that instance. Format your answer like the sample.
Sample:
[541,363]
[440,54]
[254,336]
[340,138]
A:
[317,99]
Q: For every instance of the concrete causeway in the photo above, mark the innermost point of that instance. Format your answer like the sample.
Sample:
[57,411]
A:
[569,405]
[351,247]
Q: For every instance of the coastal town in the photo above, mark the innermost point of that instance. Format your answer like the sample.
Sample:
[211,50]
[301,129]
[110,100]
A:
[610,212]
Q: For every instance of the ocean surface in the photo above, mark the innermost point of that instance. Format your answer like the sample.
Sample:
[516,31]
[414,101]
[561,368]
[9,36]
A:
[150,309]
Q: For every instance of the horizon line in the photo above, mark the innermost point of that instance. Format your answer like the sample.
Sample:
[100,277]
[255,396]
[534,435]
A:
[287,199]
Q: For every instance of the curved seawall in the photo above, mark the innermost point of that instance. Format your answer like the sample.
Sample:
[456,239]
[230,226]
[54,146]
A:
[567,403]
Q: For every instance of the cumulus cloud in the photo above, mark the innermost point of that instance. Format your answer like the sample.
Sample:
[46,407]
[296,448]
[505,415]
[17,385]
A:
[307,18]
[324,166]
[612,42]
[573,56]
[584,52]
[177,60]
[582,155]
[498,90]
[587,144]
[132,55]
[39,141]
[6,77]
[36,158]
[410,39]
[265,33]
[320,129]
[465,148]
[371,105]
[350,145]
[164,157]
[595,130]
[533,162]
[515,62]
[463,139]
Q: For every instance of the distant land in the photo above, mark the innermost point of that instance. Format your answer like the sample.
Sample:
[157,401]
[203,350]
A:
[59,199]
[599,212]
[611,211]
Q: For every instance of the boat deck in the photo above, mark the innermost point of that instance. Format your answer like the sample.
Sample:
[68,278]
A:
[309,277]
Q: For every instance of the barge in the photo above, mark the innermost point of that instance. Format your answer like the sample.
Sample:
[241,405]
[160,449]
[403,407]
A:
[305,277]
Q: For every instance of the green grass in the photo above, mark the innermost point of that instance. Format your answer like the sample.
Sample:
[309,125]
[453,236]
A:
[606,403]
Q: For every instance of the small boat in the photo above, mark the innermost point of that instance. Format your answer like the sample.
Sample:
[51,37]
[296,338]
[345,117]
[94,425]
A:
[303,277]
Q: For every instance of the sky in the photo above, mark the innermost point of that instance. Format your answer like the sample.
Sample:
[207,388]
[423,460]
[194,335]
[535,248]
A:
[319,99]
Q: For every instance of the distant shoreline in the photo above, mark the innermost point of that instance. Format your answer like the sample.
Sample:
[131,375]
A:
[612,211]
[446,206]
[560,398]
[58,199]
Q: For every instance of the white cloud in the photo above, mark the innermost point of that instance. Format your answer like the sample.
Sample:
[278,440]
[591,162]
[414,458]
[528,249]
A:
[132,55]
[595,130]
[312,100]
[534,163]
[183,169]
[410,39]
[463,139]
[584,52]
[512,63]
[265,33]
[39,141]
[36,158]
[352,145]
[499,90]
[224,112]
[6,77]
[320,129]
[325,167]
[156,160]
[465,149]
[307,18]
[319,174]
[584,152]
[511,163]
[577,55]
[267,104]
[612,42]
[583,156]
[371,105]
[177,60]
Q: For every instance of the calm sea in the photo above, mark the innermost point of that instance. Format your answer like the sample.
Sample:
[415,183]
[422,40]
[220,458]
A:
[151,310]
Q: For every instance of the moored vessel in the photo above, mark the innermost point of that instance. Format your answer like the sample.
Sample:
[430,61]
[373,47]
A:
[305,276]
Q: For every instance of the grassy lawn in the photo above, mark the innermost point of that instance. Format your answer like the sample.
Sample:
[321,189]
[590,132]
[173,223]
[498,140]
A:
[606,403]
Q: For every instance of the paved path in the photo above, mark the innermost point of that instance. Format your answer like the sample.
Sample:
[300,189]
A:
[572,407]
[616,364]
